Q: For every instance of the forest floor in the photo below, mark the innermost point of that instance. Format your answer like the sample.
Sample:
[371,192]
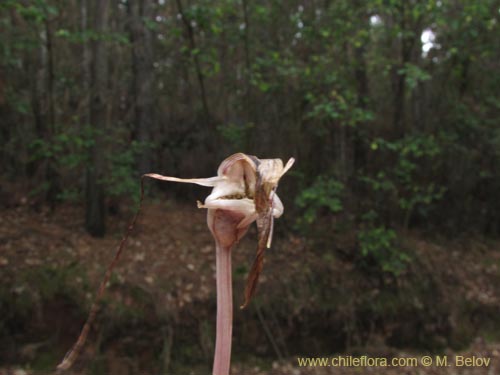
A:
[50,268]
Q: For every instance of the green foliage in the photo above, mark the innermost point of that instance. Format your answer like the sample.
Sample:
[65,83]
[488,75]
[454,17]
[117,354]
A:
[325,109]
[69,150]
[325,193]
[336,106]
[122,178]
[78,37]
[414,75]
[66,151]
[236,134]
[379,244]
[404,182]
[342,84]
[37,12]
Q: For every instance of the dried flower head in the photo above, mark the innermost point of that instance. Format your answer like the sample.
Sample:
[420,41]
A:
[245,185]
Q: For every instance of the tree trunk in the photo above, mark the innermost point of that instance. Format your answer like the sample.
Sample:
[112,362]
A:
[142,65]
[407,43]
[51,173]
[362,88]
[197,65]
[44,114]
[95,208]
[86,75]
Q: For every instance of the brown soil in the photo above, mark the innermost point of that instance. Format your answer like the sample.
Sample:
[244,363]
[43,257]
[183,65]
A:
[166,278]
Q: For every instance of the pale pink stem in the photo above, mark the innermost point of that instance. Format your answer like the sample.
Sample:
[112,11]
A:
[222,358]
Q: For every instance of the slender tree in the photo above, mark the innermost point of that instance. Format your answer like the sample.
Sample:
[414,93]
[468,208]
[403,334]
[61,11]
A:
[143,75]
[95,207]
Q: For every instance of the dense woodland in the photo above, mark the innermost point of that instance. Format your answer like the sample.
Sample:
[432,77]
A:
[391,108]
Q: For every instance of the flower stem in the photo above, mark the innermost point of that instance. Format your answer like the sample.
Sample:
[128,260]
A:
[222,358]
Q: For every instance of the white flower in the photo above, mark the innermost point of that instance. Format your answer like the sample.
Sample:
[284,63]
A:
[244,191]
[234,187]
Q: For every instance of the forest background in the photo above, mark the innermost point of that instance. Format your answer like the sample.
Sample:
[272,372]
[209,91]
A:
[390,236]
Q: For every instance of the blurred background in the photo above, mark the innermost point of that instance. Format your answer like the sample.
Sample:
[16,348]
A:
[389,242]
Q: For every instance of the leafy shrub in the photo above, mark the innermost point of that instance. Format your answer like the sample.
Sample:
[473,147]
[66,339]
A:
[68,151]
[324,193]
[379,243]
[405,180]
[122,178]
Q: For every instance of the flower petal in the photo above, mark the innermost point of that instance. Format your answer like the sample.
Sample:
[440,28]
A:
[277,205]
[211,181]
[245,205]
